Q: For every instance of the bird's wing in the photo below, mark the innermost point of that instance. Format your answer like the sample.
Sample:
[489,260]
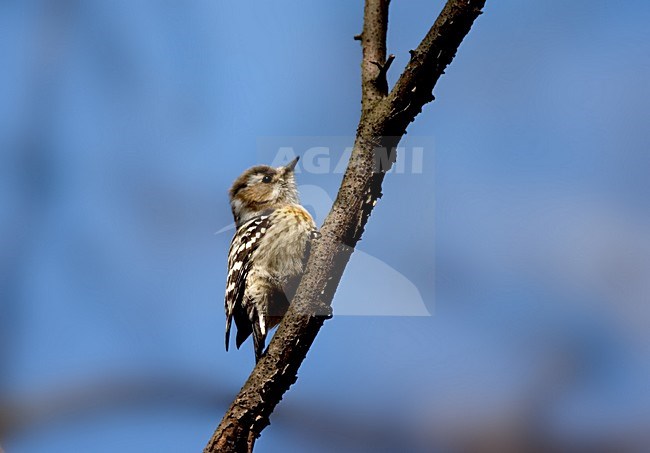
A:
[244,243]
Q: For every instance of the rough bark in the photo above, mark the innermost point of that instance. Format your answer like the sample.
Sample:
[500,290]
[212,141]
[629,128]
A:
[383,122]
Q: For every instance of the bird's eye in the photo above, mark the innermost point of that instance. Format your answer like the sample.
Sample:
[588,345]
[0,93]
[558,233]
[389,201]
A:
[266,179]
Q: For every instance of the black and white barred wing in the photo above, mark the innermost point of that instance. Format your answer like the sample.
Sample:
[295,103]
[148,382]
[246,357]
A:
[244,243]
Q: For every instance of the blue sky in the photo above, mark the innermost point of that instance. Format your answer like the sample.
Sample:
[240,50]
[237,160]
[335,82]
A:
[525,235]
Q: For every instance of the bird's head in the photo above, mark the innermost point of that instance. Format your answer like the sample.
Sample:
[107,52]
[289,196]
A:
[262,188]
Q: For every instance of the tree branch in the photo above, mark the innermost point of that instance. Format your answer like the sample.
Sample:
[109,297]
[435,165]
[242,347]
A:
[383,121]
[429,60]
[373,42]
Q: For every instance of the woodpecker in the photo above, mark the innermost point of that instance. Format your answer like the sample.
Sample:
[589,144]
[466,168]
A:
[267,253]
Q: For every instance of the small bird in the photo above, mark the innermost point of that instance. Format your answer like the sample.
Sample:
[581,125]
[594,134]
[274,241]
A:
[267,253]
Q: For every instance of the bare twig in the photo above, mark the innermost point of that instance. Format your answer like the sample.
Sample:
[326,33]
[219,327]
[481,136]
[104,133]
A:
[381,81]
[384,119]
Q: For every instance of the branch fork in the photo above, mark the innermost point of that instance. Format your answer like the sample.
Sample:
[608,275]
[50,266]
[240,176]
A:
[385,116]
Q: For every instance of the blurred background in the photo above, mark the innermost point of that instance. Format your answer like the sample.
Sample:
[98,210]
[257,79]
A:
[522,245]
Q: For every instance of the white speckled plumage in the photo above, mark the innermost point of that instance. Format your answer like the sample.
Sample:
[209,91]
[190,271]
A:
[267,253]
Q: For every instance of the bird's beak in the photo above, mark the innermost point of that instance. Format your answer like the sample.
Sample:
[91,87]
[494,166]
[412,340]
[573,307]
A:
[291,165]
